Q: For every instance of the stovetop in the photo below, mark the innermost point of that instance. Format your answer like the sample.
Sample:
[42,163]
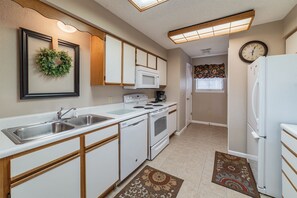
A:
[140,101]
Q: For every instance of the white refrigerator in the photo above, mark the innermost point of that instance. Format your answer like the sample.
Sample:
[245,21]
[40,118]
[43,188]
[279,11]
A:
[272,99]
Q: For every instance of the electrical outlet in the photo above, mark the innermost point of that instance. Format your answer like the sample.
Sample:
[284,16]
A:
[109,100]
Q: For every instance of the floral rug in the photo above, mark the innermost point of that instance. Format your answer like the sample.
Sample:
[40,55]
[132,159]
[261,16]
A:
[235,173]
[151,183]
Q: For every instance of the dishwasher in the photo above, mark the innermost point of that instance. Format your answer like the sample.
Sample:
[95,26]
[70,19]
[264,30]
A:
[133,144]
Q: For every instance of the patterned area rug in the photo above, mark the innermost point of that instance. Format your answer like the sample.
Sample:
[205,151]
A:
[151,183]
[234,173]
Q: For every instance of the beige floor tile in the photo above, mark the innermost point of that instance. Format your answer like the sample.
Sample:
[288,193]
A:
[190,157]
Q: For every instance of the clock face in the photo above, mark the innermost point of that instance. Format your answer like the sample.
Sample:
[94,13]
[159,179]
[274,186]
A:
[252,50]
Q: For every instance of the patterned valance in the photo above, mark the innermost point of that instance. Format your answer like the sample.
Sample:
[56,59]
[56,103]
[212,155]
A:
[210,71]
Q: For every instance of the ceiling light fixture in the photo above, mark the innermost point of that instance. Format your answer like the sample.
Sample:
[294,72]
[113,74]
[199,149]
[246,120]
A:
[226,25]
[143,5]
[66,28]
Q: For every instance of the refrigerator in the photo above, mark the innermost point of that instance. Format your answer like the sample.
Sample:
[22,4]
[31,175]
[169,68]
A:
[271,100]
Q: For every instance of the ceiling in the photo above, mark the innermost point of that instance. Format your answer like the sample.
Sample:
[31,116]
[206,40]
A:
[173,14]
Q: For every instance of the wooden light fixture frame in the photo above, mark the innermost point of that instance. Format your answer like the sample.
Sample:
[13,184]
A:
[146,8]
[212,23]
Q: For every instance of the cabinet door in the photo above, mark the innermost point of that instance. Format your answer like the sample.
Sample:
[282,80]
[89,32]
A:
[128,64]
[152,61]
[172,123]
[141,58]
[113,60]
[162,68]
[61,181]
[102,168]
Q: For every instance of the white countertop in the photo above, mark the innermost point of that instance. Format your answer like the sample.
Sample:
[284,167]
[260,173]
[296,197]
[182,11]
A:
[8,148]
[290,128]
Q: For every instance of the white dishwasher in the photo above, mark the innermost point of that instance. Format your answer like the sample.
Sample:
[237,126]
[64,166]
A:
[133,144]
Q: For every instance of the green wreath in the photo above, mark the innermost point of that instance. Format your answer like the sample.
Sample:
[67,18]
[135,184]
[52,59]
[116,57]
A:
[53,63]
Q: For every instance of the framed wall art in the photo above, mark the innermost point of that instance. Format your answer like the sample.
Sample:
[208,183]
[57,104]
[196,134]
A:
[47,72]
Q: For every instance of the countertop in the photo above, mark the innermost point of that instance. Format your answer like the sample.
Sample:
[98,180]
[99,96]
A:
[8,148]
[290,128]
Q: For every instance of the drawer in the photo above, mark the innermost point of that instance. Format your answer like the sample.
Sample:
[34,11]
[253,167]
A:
[101,134]
[292,159]
[292,176]
[40,157]
[288,190]
[172,108]
[289,140]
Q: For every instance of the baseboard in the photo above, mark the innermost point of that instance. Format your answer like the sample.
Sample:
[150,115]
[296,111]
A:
[180,132]
[238,154]
[209,123]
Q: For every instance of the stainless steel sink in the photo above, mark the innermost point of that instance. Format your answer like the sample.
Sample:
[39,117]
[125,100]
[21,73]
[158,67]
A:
[20,135]
[85,120]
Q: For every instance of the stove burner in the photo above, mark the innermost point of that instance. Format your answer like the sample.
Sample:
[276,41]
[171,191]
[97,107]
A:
[157,105]
[149,105]
[139,107]
[148,108]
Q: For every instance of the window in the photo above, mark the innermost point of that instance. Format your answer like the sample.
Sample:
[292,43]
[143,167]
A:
[210,85]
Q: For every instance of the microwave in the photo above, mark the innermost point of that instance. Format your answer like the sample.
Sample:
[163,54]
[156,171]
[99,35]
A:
[145,78]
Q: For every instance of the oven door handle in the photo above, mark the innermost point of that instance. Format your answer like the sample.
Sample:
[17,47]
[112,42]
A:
[160,112]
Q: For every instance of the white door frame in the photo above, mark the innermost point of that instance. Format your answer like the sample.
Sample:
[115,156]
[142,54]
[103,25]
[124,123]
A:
[189,85]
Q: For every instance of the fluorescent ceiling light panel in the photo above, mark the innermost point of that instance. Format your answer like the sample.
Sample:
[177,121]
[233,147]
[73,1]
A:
[226,25]
[143,5]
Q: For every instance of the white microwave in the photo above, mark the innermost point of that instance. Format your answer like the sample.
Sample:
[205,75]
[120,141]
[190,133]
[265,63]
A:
[145,78]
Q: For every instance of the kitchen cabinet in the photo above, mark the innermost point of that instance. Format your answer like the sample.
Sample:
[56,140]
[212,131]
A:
[162,68]
[102,160]
[289,162]
[49,172]
[172,120]
[61,181]
[141,58]
[102,168]
[152,61]
[113,60]
[128,64]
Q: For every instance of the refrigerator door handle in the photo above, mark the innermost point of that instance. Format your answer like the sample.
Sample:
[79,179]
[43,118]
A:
[253,100]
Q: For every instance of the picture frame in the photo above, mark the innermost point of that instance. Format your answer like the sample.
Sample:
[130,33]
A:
[42,84]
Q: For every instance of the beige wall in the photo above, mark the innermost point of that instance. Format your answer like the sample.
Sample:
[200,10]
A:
[272,35]
[176,86]
[290,22]
[92,12]
[210,107]
[12,16]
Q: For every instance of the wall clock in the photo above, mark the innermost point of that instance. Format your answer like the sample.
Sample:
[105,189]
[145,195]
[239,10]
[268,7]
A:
[252,50]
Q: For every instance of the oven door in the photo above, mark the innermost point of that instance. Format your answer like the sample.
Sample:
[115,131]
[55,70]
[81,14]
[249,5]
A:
[158,125]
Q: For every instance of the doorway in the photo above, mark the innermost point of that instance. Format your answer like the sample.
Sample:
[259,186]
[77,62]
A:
[189,83]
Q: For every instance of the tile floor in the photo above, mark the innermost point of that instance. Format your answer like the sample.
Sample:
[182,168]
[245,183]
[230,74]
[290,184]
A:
[190,157]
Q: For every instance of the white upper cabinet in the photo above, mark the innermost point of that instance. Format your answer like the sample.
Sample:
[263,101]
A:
[152,61]
[162,68]
[128,64]
[113,60]
[291,44]
[141,58]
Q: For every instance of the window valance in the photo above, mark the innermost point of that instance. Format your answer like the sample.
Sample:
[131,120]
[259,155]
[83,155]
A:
[210,71]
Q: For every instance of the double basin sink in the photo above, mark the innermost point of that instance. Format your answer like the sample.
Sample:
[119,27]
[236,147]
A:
[23,134]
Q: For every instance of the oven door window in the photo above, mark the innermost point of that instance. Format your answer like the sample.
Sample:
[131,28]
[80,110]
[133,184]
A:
[148,80]
[160,125]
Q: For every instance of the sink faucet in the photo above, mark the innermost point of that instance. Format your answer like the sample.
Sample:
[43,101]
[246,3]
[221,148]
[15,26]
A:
[60,115]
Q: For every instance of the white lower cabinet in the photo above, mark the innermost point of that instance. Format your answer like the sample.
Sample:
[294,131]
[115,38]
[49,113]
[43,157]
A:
[102,168]
[61,181]
[172,120]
